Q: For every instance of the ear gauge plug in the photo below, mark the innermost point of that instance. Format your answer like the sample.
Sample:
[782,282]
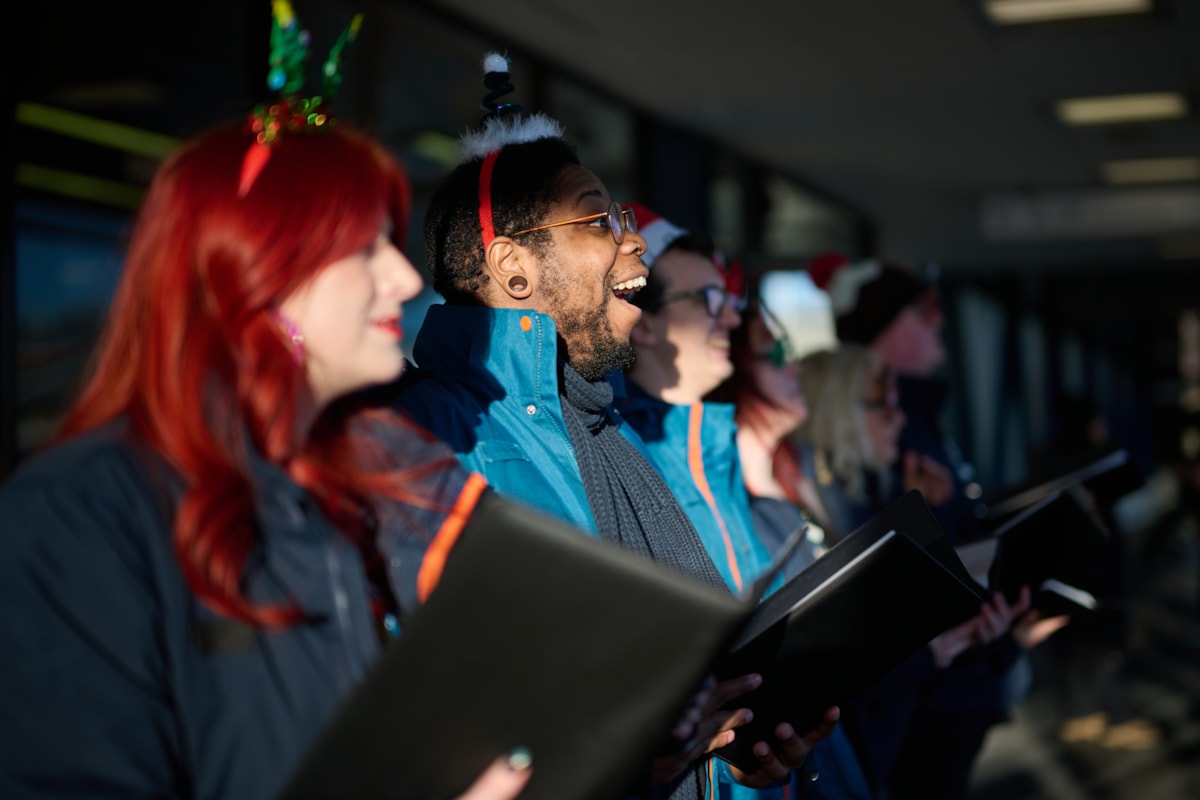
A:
[517,284]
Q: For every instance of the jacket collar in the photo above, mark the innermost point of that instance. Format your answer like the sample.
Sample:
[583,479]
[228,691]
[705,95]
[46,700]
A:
[655,418]
[518,348]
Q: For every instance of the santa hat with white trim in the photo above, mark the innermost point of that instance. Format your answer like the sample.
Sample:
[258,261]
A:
[866,296]
[660,235]
[658,232]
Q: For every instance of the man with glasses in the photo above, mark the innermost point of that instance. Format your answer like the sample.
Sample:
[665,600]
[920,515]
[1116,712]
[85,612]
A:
[691,304]
[682,347]
[537,266]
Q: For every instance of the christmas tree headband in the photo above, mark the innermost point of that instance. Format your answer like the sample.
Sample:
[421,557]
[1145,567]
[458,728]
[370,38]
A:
[291,113]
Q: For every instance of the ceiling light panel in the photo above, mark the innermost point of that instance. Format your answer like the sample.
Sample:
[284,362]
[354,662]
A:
[1151,170]
[1018,12]
[1122,108]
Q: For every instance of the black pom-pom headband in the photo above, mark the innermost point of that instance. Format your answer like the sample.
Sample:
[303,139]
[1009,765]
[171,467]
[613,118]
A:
[503,124]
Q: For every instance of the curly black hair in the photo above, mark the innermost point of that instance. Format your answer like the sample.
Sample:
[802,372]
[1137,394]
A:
[522,191]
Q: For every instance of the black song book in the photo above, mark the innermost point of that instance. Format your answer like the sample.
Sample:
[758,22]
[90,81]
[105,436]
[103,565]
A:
[537,636]
[853,615]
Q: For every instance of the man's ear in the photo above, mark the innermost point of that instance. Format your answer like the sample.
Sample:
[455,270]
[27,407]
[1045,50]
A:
[643,334]
[512,269]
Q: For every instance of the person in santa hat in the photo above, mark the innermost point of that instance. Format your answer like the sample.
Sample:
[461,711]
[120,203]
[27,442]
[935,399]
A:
[895,312]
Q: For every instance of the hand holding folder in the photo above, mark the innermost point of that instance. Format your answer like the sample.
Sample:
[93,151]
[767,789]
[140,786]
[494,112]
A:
[1047,535]
[1053,547]
[844,622]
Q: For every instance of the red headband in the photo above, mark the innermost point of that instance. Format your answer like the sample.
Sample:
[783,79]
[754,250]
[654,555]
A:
[485,198]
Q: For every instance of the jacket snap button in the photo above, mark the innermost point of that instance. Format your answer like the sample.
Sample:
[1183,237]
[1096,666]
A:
[531,409]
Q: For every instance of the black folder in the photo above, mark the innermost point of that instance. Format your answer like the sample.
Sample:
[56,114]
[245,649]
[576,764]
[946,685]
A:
[847,620]
[1111,474]
[536,636]
[1056,547]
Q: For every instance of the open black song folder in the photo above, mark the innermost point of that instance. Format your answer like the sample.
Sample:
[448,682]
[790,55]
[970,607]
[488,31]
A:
[538,636]
[843,623]
[1112,474]
[1056,547]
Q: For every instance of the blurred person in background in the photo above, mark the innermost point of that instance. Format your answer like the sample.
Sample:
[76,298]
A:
[768,388]
[690,308]
[849,441]
[681,346]
[770,406]
[894,312]
[844,453]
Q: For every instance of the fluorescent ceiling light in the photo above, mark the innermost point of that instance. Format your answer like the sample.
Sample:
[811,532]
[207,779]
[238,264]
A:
[1122,108]
[1016,12]
[1151,170]
[97,131]
[80,187]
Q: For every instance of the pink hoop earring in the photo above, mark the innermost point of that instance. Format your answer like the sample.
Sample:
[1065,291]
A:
[293,332]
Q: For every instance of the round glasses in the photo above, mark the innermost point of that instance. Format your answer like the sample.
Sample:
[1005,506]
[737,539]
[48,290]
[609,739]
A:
[619,221]
[715,299]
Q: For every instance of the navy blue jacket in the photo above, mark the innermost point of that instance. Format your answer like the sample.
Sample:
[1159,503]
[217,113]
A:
[978,679]
[118,682]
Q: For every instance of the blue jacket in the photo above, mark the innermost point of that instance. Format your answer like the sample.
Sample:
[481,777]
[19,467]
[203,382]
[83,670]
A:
[119,682]
[487,383]
[695,449]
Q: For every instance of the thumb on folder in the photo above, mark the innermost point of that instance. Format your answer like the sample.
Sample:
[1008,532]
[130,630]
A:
[504,779]
[705,725]
[995,618]
[1033,629]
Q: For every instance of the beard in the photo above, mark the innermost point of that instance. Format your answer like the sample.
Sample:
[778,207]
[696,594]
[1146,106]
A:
[592,350]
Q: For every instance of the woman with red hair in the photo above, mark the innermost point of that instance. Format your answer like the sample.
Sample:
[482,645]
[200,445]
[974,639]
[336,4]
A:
[197,572]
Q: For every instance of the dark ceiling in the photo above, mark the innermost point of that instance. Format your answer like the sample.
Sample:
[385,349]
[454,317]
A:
[921,114]
[929,121]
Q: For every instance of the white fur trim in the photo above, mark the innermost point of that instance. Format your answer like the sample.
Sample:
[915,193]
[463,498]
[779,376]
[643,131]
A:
[501,131]
[658,234]
[845,284]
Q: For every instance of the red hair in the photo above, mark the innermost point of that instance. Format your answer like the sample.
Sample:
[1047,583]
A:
[192,357]
[751,405]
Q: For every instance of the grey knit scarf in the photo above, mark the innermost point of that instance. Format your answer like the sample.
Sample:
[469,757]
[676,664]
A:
[629,498]
[633,508]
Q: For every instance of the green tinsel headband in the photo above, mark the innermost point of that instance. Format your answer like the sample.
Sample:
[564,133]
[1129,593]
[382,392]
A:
[291,113]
